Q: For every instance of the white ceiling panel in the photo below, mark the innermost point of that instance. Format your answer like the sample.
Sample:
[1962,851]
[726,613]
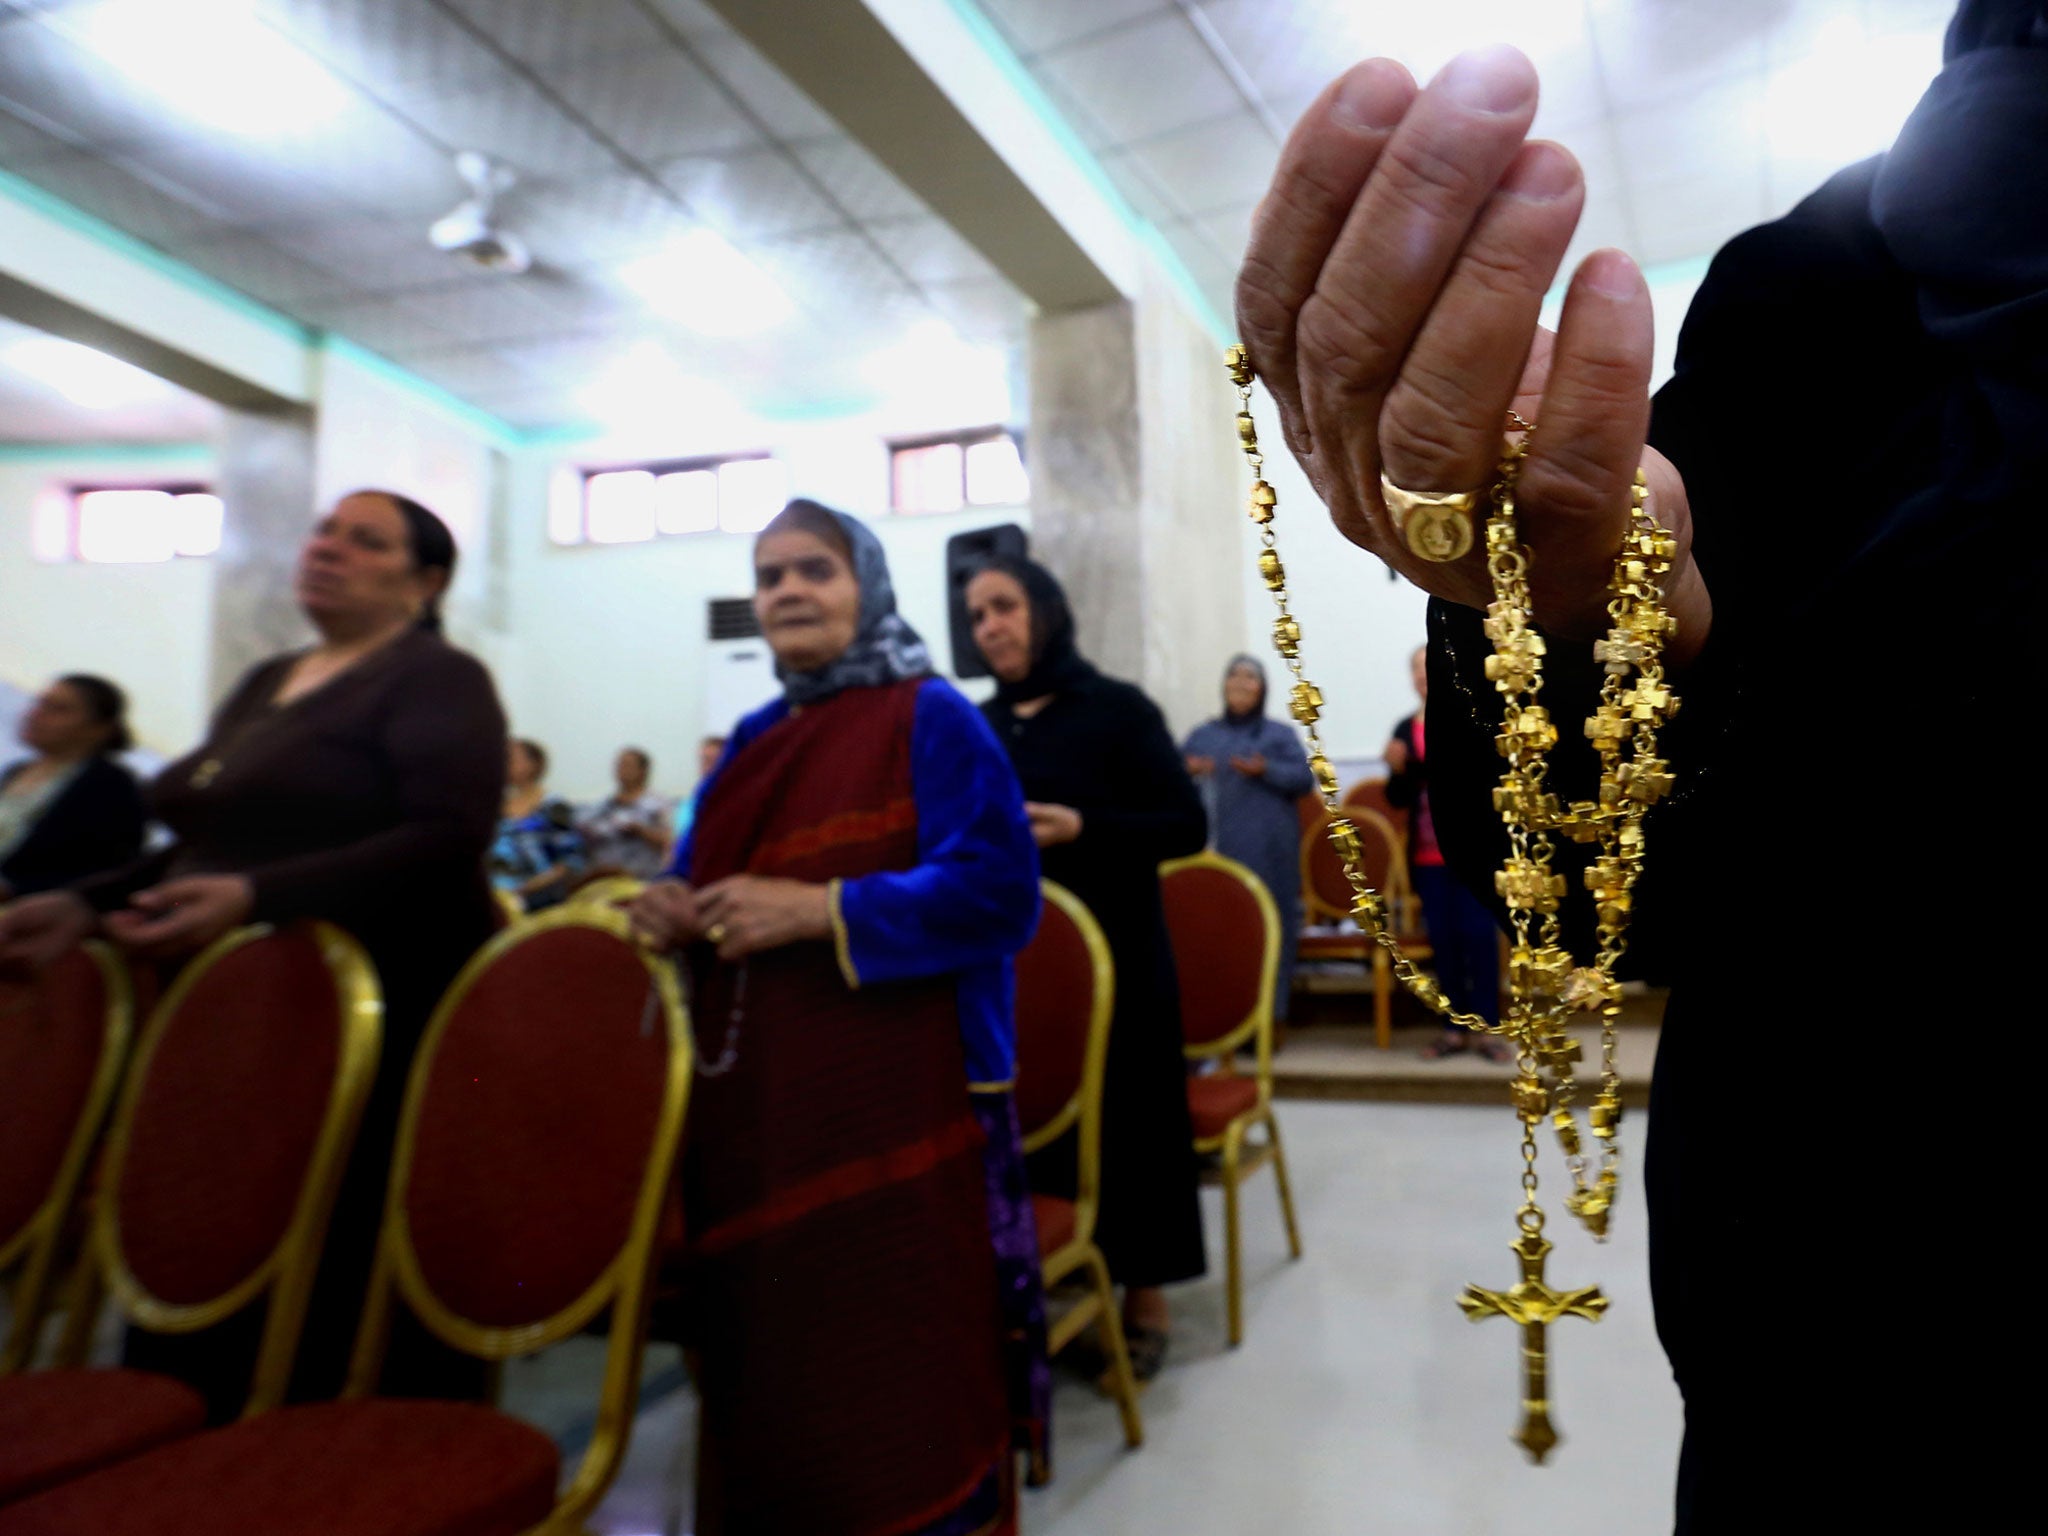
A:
[396,327]
[40,67]
[981,311]
[1033,26]
[657,106]
[782,110]
[552,35]
[596,219]
[25,143]
[471,371]
[382,43]
[928,250]
[1228,159]
[1145,79]
[107,191]
[497,307]
[748,196]
[857,181]
[372,255]
[245,183]
[259,268]
[514,123]
[832,271]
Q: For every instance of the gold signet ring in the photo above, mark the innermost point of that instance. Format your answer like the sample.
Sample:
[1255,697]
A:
[1435,525]
[715,934]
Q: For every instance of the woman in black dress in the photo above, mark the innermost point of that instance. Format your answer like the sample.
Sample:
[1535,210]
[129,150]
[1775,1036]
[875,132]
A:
[1109,799]
[356,781]
[71,810]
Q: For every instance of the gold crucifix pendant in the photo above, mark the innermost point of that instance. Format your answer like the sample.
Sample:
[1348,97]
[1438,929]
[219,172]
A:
[1534,1305]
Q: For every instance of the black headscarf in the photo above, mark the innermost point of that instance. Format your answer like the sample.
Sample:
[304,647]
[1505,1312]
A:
[1996,24]
[1056,663]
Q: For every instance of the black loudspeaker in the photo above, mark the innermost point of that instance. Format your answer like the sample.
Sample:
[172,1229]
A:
[966,553]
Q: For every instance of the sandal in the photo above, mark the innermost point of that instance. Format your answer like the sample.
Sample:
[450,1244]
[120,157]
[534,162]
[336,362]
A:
[1147,1349]
[1446,1044]
[1494,1050]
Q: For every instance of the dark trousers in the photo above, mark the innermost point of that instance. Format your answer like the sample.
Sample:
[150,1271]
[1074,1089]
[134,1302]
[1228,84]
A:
[1465,942]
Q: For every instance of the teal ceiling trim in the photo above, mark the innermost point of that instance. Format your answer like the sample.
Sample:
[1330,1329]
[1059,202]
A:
[108,453]
[1141,229]
[499,433]
[101,233]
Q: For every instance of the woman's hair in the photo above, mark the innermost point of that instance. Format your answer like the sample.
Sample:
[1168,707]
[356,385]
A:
[534,750]
[431,543]
[819,522]
[107,705]
[646,763]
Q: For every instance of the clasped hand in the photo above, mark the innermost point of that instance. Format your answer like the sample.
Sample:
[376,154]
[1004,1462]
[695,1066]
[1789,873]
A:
[743,914]
[174,918]
[1389,301]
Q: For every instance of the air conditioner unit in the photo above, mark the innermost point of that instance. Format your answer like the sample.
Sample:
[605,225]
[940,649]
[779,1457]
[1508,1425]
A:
[739,669]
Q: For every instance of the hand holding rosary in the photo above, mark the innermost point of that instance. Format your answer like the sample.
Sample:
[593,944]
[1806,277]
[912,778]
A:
[1548,989]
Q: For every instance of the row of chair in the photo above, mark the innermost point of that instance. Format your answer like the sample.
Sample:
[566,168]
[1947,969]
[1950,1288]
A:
[528,1173]
[1330,934]
[524,1197]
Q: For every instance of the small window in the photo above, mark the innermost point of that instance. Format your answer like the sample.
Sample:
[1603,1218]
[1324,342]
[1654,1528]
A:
[133,525]
[969,469]
[630,505]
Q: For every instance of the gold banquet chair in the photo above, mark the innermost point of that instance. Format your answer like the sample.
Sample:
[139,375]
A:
[63,1041]
[232,1130]
[1326,898]
[538,1136]
[1066,994]
[1226,948]
[607,891]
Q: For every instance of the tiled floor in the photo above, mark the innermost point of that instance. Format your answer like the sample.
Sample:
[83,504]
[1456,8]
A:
[1361,1400]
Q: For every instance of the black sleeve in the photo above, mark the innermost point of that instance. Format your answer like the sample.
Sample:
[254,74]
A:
[1404,789]
[1153,806]
[446,740]
[95,825]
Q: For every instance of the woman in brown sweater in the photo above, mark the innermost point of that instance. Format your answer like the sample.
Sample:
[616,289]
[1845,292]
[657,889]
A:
[358,781]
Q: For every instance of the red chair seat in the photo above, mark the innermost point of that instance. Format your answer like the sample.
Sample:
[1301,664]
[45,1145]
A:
[1216,1100]
[1055,1218]
[1332,946]
[375,1468]
[58,1425]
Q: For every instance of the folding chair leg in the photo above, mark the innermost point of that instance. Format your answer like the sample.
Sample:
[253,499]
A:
[1233,1145]
[1382,1000]
[1111,1322]
[1280,1178]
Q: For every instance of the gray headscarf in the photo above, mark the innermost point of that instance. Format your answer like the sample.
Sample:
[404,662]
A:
[885,648]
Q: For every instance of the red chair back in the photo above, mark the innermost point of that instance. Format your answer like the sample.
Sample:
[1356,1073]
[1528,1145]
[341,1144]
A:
[233,1129]
[63,1041]
[57,1041]
[537,1142]
[1063,978]
[1226,947]
[1327,892]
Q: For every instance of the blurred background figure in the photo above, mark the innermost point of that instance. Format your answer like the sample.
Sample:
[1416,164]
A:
[538,854]
[357,781]
[709,751]
[865,1293]
[70,810]
[1252,769]
[629,833]
[1109,800]
[1464,940]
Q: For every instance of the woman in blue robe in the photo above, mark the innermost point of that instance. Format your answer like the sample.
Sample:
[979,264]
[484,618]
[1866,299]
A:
[1252,770]
[861,1266]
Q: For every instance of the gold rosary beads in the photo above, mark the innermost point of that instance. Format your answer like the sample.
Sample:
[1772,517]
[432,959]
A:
[1545,987]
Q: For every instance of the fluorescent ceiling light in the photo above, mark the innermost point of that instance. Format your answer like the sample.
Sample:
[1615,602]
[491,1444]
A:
[701,282]
[647,389]
[931,373]
[212,60]
[81,375]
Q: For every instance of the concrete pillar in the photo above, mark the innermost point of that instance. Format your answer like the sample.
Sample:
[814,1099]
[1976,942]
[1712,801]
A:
[1134,492]
[265,481]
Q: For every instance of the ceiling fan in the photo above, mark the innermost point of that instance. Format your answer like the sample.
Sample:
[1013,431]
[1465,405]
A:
[471,230]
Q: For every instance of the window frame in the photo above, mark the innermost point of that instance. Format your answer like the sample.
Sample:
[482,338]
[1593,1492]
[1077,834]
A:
[964,440]
[75,492]
[695,464]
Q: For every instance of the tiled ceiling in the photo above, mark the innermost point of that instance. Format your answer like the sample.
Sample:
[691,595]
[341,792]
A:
[628,122]
[631,122]
[1693,119]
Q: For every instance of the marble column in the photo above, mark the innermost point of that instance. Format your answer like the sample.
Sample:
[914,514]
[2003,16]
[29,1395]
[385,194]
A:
[265,482]
[1134,488]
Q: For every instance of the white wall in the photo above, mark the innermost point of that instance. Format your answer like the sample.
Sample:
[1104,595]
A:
[146,627]
[605,645]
